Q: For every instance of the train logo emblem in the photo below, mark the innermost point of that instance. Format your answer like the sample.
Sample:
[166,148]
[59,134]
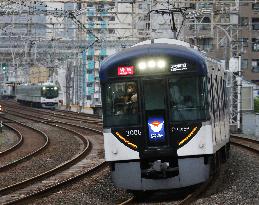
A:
[156,129]
[156,126]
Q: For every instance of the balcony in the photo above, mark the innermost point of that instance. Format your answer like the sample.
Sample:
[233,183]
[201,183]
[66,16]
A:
[255,69]
[255,26]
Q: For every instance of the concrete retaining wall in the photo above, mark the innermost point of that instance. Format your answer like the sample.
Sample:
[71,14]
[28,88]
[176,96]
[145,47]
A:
[250,124]
[257,125]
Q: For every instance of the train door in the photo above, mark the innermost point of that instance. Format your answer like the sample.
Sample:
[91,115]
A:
[157,140]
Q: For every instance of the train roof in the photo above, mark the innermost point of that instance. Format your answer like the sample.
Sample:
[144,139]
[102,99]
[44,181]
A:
[37,85]
[155,48]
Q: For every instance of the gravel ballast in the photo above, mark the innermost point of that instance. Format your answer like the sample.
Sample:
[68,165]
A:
[8,138]
[238,183]
[60,150]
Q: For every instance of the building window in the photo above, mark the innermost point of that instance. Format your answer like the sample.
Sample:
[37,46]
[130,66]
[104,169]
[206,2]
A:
[111,31]
[244,42]
[102,57]
[255,23]
[205,23]
[79,6]
[243,4]
[255,44]
[225,19]
[244,64]
[255,65]
[243,21]
[112,18]
[89,97]
[90,57]
[101,6]
[205,44]
[90,85]
[255,6]
[90,71]
[192,6]
[112,4]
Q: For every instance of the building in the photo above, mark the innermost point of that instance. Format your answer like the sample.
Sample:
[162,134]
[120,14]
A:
[107,28]
[249,37]
[228,30]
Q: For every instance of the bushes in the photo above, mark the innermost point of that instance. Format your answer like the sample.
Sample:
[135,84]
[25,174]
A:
[256,104]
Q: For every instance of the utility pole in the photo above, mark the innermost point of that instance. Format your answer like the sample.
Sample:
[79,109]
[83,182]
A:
[68,85]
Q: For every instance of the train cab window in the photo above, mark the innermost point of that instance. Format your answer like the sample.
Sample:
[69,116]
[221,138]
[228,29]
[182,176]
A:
[49,92]
[188,98]
[121,104]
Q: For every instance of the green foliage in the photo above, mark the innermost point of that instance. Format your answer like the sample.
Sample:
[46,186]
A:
[256,104]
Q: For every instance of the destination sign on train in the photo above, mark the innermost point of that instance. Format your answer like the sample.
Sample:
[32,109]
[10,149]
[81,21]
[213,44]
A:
[125,70]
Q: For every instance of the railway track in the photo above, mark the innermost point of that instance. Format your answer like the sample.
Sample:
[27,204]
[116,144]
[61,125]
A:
[52,179]
[249,144]
[246,143]
[40,119]
[187,200]
[46,116]
[16,145]
[190,197]
[80,117]
[30,146]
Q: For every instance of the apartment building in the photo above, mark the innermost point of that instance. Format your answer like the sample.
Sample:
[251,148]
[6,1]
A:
[249,37]
[229,32]
[110,23]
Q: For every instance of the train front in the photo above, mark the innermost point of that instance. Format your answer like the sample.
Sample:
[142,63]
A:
[156,117]
[49,96]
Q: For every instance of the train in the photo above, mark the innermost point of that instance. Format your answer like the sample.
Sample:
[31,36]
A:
[38,95]
[7,91]
[1,111]
[165,115]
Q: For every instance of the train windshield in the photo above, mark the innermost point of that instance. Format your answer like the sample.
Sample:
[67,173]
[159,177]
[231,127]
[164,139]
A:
[121,104]
[188,98]
[49,92]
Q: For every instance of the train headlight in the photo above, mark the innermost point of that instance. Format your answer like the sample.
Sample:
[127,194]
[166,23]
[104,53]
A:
[157,63]
[55,88]
[44,88]
[161,64]
[151,64]
[142,65]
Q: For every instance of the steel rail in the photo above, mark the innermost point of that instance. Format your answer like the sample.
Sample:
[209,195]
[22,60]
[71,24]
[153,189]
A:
[29,155]
[249,144]
[52,185]
[16,145]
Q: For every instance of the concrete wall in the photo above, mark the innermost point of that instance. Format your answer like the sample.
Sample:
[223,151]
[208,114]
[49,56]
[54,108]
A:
[250,124]
[257,126]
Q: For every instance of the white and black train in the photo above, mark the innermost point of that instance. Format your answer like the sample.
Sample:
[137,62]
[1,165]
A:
[38,95]
[165,115]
